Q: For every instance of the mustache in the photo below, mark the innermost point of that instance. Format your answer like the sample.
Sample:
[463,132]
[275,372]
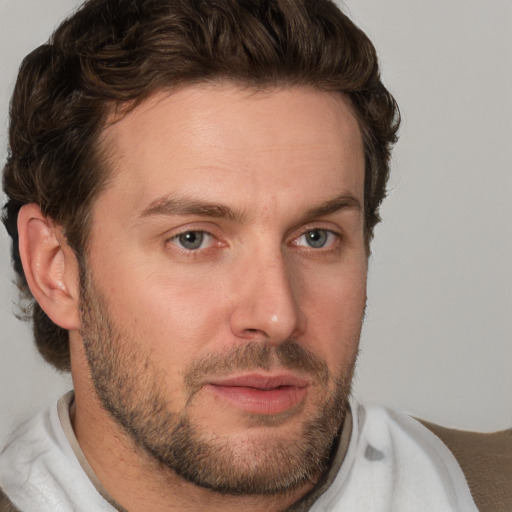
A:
[256,356]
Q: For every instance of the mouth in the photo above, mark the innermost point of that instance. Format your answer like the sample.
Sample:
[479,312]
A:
[261,394]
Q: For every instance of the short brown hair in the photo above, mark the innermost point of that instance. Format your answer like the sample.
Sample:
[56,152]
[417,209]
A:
[114,53]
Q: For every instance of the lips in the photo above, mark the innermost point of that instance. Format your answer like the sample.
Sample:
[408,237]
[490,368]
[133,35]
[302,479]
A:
[261,394]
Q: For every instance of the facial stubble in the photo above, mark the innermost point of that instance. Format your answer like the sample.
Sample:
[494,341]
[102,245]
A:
[131,388]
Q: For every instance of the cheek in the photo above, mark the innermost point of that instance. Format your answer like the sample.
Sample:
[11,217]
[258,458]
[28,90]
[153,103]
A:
[177,315]
[335,307]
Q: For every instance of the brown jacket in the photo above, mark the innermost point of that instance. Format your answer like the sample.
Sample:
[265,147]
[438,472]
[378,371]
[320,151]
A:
[486,460]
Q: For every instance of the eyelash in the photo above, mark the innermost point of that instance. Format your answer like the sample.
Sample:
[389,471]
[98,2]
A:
[330,235]
[332,238]
[200,232]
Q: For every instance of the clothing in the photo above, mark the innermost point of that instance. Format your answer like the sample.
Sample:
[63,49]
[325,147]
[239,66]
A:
[43,469]
[386,461]
[393,463]
[486,460]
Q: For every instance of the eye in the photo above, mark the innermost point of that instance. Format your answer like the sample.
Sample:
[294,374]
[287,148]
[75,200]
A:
[317,238]
[192,240]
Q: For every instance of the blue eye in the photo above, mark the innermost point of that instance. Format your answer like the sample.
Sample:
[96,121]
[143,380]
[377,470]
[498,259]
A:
[317,238]
[193,240]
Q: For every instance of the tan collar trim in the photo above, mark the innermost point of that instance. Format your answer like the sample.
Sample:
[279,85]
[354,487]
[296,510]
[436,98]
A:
[63,408]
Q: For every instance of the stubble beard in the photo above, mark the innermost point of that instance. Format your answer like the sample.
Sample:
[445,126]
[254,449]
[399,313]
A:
[131,388]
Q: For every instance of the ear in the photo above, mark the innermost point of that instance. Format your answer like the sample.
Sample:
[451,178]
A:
[50,267]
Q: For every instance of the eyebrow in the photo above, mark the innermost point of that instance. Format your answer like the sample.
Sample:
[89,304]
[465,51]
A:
[341,202]
[185,206]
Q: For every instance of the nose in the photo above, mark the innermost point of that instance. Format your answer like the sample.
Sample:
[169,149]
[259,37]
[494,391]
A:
[267,304]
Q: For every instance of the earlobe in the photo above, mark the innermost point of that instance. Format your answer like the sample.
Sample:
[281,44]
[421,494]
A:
[50,267]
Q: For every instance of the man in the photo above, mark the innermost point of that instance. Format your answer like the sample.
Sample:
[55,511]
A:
[192,190]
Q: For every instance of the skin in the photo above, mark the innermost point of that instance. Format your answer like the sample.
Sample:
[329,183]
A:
[285,165]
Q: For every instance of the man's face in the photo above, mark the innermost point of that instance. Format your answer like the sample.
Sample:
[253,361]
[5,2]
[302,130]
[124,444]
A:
[226,281]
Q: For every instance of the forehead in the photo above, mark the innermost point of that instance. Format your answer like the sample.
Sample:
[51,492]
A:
[204,139]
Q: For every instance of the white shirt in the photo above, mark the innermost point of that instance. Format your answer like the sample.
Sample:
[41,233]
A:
[392,464]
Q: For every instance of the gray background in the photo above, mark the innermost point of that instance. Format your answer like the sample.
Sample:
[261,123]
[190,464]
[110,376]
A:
[437,339]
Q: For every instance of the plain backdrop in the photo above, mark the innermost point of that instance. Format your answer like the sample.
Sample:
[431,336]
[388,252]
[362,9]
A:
[437,338]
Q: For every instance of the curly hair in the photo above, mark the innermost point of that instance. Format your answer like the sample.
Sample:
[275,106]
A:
[115,53]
